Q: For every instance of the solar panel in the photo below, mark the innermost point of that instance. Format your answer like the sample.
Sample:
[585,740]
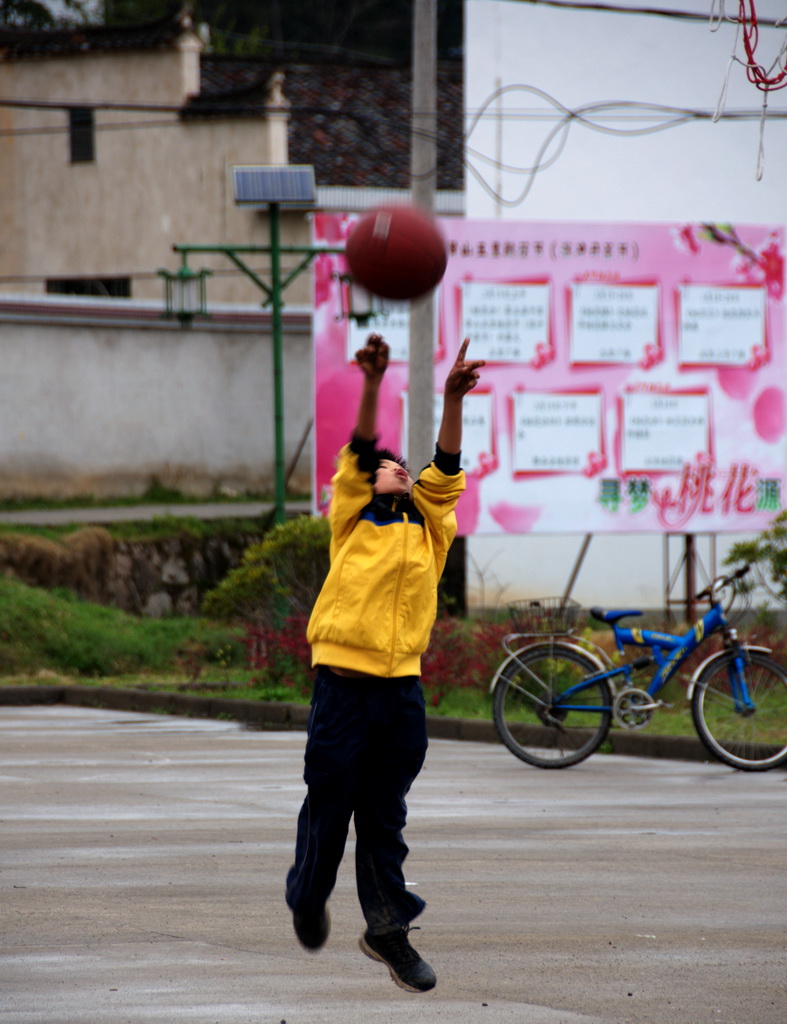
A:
[292,185]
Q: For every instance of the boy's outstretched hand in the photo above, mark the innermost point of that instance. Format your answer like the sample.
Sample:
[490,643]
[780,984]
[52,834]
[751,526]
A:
[373,357]
[463,376]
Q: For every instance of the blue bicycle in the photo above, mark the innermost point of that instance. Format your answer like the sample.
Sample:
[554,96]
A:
[555,697]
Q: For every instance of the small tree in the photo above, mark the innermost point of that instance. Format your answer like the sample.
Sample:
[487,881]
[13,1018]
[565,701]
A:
[278,578]
[767,554]
[35,15]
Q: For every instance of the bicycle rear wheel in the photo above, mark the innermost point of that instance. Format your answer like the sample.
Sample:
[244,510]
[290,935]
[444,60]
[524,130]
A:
[534,716]
[753,741]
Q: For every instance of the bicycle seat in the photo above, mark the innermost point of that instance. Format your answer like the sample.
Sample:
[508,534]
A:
[611,616]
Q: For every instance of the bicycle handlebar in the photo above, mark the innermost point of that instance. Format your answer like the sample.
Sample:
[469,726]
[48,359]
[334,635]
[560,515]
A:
[722,581]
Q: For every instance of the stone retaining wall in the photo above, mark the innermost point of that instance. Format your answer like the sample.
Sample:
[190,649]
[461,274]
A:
[145,577]
[172,576]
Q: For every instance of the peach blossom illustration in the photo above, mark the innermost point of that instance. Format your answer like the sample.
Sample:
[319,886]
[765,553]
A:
[514,518]
[769,414]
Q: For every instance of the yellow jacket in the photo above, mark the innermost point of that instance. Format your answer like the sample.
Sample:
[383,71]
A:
[378,604]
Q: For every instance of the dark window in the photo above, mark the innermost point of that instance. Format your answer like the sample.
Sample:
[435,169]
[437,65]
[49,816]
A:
[82,134]
[105,287]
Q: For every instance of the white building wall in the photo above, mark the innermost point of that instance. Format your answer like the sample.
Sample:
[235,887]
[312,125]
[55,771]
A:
[692,172]
[92,406]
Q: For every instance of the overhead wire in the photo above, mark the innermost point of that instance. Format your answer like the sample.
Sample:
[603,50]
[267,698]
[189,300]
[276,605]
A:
[763,79]
[757,74]
[364,121]
[746,23]
[594,116]
[657,12]
[369,123]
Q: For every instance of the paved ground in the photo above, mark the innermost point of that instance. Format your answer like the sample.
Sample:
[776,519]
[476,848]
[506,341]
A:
[143,860]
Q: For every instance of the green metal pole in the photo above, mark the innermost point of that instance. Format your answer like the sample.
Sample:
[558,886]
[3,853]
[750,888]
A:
[274,298]
[278,361]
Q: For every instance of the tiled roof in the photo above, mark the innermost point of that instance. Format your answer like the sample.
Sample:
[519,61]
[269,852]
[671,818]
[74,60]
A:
[351,122]
[16,44]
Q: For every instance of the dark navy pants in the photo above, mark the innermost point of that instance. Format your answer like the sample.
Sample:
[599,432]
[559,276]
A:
[366,744]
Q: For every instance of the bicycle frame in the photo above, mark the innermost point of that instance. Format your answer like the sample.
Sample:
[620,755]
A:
[679,647]
[669,651]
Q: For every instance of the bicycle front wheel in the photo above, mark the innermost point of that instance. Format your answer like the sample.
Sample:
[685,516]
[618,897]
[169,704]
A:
[752,739]
[543,710]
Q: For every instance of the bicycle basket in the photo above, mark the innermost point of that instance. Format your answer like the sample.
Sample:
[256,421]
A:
[544,615]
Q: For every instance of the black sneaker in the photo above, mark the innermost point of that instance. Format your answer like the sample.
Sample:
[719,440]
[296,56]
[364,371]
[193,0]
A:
[407,968]
[312,929]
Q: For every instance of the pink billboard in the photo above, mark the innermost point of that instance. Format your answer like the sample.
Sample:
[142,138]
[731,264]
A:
[634,377]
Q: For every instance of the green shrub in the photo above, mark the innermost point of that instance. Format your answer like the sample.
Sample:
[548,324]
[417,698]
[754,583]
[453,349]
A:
[279,577]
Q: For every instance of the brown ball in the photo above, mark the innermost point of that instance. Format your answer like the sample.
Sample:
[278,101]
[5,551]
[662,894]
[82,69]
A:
[397,252]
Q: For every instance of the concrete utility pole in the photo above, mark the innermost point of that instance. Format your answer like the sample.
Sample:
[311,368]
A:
[423,171]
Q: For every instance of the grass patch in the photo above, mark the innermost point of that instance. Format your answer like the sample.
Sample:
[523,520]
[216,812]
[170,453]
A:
[168,527]
[156,529]
[468,702]
[54,638]
[54,631]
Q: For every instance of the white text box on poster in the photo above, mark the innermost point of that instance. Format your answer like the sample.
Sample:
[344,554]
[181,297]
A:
[613,323]
[663,431]
[720,325]
[505,322]
[477,428]
[556,432]
[394,325]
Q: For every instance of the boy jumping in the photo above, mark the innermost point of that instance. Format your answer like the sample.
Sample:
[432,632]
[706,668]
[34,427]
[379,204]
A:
[369,627]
